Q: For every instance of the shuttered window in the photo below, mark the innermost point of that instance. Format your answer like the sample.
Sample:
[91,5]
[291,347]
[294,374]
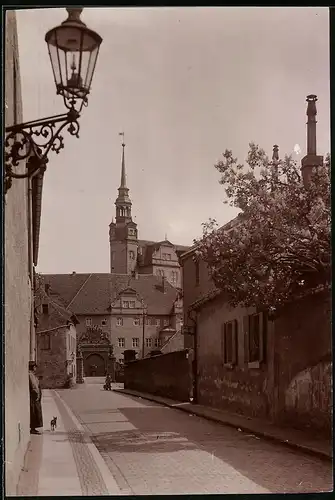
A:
[229,334]
[254,331]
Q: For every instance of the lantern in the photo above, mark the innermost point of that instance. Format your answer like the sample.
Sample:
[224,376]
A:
[73,50]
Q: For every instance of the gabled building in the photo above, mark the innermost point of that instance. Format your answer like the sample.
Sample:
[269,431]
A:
[56,342]
[124,309]
[128,254]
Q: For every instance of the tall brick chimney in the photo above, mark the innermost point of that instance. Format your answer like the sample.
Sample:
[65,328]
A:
[311,160]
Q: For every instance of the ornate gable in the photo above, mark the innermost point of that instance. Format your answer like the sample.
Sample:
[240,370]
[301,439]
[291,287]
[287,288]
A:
[94,336]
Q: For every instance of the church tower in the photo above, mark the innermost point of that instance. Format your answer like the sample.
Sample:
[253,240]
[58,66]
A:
[123,232]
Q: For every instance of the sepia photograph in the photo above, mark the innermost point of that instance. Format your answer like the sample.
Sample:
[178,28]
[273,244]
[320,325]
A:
[167,251]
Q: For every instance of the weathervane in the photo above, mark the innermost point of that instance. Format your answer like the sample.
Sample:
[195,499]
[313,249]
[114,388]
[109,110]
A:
[122,134]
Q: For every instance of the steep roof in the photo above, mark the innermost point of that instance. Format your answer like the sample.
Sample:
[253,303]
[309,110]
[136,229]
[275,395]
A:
[94,293]
[149,247]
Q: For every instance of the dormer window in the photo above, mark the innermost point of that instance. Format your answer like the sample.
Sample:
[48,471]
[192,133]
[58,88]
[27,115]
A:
[128,304]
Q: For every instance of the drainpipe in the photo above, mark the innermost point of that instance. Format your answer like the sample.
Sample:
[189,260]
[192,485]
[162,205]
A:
[32,341]
[32,334]
[195,358]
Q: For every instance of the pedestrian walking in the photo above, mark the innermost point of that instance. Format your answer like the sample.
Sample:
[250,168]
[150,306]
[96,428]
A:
[36,417]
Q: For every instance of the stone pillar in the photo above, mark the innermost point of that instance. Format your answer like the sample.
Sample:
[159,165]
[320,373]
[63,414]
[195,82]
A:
[80,367]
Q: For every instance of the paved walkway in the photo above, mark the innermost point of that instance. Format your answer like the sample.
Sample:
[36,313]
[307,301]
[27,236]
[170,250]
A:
[290,437]
[64,462]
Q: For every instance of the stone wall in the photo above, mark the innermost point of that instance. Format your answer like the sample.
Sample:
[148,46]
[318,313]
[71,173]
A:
[303,370]
[17,290]
[168,375]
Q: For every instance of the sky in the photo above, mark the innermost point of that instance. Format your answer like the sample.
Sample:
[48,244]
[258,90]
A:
[184,84]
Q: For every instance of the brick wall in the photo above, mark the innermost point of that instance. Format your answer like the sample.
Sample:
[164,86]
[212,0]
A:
[166,375]
[17,290]
[55,364]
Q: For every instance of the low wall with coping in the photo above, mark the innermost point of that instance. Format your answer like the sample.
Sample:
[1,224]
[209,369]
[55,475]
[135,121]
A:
[167,375]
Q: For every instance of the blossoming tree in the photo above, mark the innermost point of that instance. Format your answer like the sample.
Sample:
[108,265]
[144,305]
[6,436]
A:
[279,245]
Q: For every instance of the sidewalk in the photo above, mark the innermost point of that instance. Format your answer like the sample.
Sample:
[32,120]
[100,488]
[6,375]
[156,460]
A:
[259,428]
[64,462]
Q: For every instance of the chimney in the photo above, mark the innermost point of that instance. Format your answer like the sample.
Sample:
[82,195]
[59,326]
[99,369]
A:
[311,161]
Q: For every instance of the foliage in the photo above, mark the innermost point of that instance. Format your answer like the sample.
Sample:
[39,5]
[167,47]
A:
[279,245]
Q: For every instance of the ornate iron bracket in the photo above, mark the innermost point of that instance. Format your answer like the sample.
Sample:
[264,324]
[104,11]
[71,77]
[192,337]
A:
[33,140]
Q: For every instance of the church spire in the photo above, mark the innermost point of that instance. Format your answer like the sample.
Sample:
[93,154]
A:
[123,167]
[123,202]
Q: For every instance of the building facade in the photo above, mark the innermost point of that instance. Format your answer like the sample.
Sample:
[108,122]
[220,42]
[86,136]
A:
[123,309]
[56,342]
[21,226]
[128,254]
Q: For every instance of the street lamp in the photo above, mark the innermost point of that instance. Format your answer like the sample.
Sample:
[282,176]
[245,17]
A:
[73,50]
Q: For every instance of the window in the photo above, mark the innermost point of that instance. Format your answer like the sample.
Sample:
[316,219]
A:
[197,272]
[157,342]
[121,360]
[160,272]
[121,342]
[131,254]
[136,342]
[45,308]
[136,321]
[166,256]
[88,321]
[148,342]
[126,304]
[166,322]
[255,339]
[119,321]
[229,342]
[158,322]
[45,341]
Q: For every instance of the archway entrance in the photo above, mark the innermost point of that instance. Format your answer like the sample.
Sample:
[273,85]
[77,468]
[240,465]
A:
[94,366]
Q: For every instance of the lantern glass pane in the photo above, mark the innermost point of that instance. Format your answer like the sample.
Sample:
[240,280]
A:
[91,62]
[55,63]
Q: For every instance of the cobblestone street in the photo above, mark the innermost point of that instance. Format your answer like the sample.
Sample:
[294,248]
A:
[151,449]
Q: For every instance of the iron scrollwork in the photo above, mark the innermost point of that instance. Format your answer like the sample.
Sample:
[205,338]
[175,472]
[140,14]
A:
[33,141]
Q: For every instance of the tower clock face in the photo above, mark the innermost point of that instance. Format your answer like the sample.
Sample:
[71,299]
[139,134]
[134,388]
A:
[131,232]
